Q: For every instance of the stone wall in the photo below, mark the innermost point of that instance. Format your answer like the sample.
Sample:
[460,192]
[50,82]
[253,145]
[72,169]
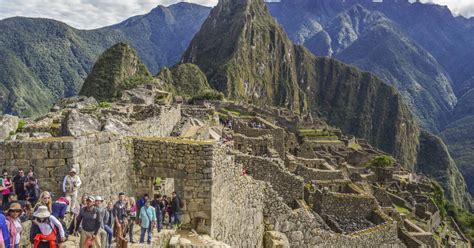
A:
[255,146]
[188,162]
[159,123]
[344,205]
[237,205]
[288,185]
[103,161]
[278,134]
[310,174]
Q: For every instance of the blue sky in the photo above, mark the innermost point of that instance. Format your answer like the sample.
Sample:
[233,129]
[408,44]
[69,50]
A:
[89,14]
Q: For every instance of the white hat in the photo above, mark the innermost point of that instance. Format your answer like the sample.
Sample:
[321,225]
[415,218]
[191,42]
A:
[99,198]
[73,170]
[42,212]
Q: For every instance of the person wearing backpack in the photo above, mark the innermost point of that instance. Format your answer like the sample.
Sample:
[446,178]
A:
[176,204]
[147,222]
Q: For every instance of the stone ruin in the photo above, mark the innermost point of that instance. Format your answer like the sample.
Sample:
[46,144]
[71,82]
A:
[288,182]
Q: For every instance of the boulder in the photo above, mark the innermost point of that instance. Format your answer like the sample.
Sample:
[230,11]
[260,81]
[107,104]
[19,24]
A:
[274,239]
[74,102]
[139,95]
[41,135]
[115,126]
[77,124]
[8,124]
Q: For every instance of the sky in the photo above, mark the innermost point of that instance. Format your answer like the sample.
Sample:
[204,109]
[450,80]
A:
[89,14]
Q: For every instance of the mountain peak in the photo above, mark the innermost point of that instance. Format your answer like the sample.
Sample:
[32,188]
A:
[246,54]
[117,69]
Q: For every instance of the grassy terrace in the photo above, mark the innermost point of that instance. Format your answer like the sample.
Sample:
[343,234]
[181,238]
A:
[402,209]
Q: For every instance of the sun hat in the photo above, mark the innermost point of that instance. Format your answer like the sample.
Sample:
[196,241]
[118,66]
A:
[42,212]
[99,198]
[14,206]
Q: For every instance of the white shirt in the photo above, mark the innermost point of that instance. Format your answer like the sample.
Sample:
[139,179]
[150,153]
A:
[75,180]
[46,228]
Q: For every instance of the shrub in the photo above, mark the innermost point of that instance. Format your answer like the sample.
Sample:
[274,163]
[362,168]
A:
[208,95]
[105,105]
[382,162]
[21,125]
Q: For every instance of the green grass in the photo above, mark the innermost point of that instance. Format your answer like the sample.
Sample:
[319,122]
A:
[401,209]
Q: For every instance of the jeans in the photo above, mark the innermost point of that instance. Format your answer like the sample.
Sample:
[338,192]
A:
[110,234]
[176,218]
[142,234]
[159,220]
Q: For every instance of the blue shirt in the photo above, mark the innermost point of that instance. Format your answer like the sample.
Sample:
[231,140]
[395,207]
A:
[147,215]
[4,227]
[59,210]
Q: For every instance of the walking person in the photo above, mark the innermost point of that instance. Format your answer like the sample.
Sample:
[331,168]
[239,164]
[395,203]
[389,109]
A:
[120,220]
[132,214]
[75,212]
[103,216]
[169,211]
[147,222]
[90,220]
[6,187]
[59,211]
[108,223]
[19,182]
[176,204]
[14,224]
[157,203]
[44,233]
[71,184]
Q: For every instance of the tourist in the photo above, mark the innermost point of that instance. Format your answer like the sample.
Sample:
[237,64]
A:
[45,200]
[19,184]
[14,224]
[147,222]
[90,220]
[108,223]
[132,213]
[27,211]
[4,233]
[103,214]
[71,184]
[59,208]
[169,210]
[141,202]
[176,204]
[44,233]
[157,203]
[75,211]
[32,191]
[6,187]
[120,217]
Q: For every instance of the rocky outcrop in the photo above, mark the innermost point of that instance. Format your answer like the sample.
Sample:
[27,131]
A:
[8,125]
[116,70]
[78,124]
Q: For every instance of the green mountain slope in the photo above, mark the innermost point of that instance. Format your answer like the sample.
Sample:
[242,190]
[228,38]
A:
[271,70]
[46,59]
[116,70]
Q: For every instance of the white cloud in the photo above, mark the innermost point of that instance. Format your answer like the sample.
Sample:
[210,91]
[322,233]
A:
[88,14]
[85,14]
[458,7]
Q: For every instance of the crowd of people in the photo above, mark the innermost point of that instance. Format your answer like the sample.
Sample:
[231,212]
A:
[96,222]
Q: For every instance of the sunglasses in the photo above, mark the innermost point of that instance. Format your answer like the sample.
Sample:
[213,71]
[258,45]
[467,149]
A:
[16,211]
[46,198]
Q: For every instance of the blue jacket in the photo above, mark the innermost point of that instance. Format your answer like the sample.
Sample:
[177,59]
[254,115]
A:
[4,227]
